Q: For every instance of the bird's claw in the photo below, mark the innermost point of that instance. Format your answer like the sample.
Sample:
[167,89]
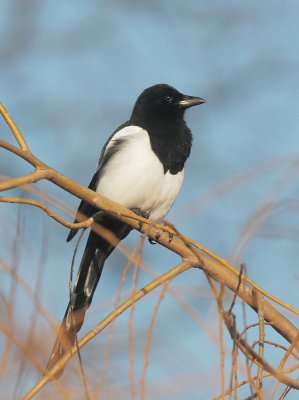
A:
[170,237]
[140,213]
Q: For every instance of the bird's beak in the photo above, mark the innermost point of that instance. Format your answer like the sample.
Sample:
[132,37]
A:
[190,101]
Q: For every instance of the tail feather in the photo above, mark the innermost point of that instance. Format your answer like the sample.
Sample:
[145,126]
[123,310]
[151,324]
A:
[66,337]
[95,254]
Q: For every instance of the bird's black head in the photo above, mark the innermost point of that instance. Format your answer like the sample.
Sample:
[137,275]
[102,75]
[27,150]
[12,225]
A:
[162,102]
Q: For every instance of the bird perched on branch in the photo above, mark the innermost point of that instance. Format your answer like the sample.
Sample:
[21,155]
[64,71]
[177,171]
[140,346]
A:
[141,167]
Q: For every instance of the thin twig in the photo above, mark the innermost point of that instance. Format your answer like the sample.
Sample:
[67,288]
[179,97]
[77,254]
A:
[179,269]
[108,345]
[13,127]
[81,368]
[138,261]
[259,383]
[71,225]
[218,296]
[31,356]
[250,353]
[237,290]
[23,180]
[148,339]
[289,352]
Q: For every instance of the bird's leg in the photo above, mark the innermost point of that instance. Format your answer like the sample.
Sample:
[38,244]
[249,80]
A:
[145,214]
[140,213]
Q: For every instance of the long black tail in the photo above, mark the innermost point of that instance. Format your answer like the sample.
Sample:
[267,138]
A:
[95,254]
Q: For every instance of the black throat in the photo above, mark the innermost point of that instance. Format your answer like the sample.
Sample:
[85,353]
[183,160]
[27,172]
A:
[170,139]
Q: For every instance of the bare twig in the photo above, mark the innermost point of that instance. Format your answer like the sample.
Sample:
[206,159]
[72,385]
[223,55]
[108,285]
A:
[148,339]
[108,345]
[78,225]
[259,383]
[179,269]
[289,351]
[251,354]
[131,319]
[17,134]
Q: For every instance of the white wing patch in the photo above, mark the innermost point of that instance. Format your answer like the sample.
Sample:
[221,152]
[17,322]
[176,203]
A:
[134,176]
[126,131]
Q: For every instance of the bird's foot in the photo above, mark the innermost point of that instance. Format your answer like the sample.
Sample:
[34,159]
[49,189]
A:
[156,240]
[140,213]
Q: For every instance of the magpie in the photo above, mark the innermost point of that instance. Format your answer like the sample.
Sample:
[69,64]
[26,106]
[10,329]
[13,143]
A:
[141,167]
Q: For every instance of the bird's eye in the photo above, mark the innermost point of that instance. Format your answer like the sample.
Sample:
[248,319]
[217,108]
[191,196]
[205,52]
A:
[168,99]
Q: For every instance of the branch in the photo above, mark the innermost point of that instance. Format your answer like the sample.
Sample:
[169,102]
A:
[17,134]
[78,225]
[179,269]
[192,253]
[218,268]
[253,356]
[20,181]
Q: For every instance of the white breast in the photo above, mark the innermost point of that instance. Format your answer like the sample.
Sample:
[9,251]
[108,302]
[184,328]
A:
[134,176]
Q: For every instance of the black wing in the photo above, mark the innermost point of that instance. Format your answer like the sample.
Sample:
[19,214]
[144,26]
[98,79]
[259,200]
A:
[84,208]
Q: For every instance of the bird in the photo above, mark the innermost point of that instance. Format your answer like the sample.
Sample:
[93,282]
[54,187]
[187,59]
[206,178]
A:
[141,167]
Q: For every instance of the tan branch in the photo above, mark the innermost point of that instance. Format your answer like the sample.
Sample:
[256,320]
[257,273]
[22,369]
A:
[17,134]
[214,265]
[25,155]
[107,205]
[260,305]
[253,356]
[179,269]
[84,224]
[148,340]
[20,181]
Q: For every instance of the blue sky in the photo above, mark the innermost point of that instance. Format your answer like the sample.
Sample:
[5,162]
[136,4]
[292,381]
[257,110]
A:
[70,73]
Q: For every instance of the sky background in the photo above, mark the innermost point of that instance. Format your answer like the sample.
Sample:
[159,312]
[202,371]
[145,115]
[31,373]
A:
[70,73]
